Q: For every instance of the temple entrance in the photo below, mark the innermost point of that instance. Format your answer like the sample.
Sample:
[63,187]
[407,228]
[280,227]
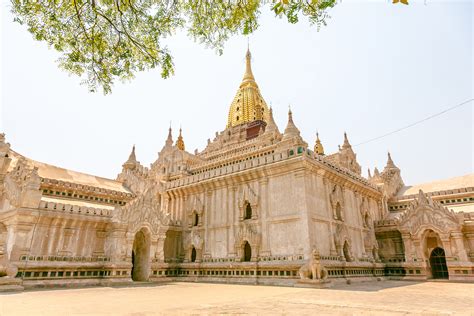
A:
[193,255]
[140,256]
[438,265]
[346,251]
[247,252]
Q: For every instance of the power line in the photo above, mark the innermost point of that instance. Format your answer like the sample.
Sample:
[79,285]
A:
[415,123]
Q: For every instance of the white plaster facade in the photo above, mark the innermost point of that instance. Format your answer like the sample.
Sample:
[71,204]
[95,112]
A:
[255,205]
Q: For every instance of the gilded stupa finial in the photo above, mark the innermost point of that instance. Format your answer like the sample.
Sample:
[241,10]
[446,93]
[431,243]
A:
[180,141]
[248,66]
[248,104]
[318,147]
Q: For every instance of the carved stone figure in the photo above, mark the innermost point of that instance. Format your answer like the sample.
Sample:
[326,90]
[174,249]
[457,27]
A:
[313,269]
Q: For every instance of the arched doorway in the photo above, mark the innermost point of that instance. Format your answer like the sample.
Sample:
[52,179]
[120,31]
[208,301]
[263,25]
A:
[140,256]
[439,269]
[193,255]
[347,252]
[247,251]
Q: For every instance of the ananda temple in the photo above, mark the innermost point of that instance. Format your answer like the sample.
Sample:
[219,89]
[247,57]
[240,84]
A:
[258,205]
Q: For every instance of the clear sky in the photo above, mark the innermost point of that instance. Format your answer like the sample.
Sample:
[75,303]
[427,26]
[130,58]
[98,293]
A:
[375,67]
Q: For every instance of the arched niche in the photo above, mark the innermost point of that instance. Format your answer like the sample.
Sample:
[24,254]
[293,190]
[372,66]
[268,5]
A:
[141,255]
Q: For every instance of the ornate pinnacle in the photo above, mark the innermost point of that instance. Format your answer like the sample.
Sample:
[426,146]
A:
[132,160]
[318,147]
[346,141]
[248,66]
[180,141]
[169,140]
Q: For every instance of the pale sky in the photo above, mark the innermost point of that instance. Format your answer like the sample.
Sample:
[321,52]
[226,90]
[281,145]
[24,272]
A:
[374,68]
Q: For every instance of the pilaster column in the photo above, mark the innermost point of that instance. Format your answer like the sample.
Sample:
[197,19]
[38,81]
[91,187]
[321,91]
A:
[446,245]
[263,214]
[470,243]
[233,218]
[160,248]
[209,213]
[457,237]
[409,247]
[418,250]
[114,245]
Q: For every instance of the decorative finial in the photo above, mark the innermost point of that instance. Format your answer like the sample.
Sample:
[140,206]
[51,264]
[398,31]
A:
[390,163]
[401,1]
[318,147]
[169,140]
[271,125]
[248,66]
[180,141]
[291,130]
[369,173]
[346,142]
[132,156]
[132,160]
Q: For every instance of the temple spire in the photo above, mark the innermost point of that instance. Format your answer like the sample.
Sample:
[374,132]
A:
[131,161]
[271,125]
[180,141]
[248,104]
[291,130]
[248,67]
[169,140]
[390,161]
[346,142]
[132,157]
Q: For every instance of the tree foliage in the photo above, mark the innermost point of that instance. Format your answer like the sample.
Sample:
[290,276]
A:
[102,40]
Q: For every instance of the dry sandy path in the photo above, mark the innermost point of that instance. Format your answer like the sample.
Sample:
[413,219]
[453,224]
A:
[380,298]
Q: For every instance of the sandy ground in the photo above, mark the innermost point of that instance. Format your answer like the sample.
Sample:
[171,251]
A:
[378,298]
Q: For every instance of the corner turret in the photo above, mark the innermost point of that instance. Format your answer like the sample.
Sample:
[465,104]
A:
[347,158]
[390,179]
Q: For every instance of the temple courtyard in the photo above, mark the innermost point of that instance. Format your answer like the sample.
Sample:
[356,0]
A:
[371,298]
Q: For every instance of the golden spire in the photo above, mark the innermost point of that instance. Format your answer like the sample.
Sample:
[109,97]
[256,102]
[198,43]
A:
[248,104]
[318,147]
[180,141]
[248,67]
